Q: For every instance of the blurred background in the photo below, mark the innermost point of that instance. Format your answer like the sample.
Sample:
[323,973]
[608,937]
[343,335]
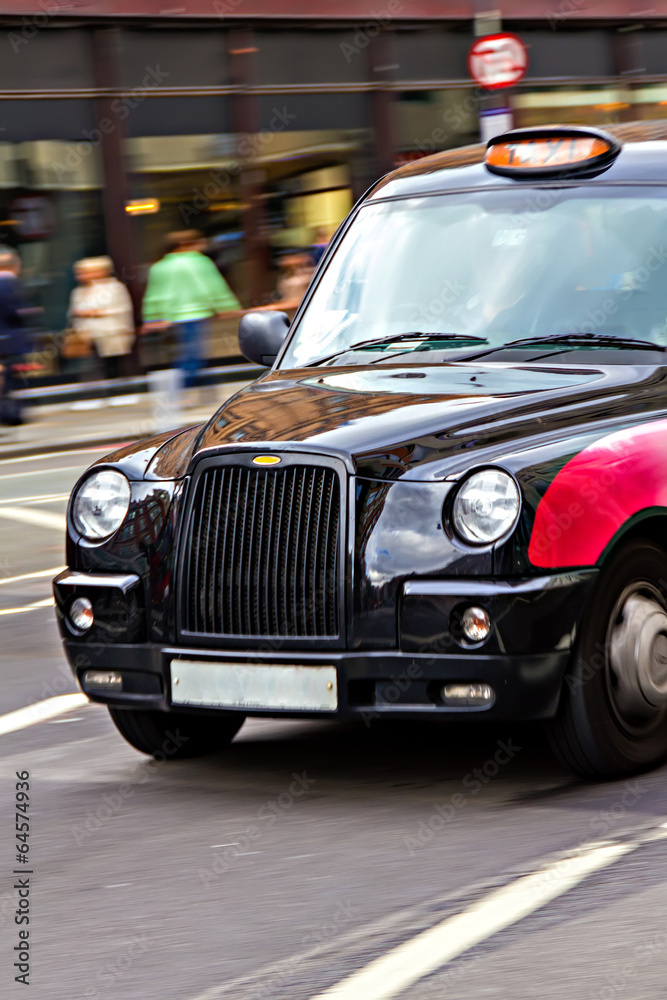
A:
[260,124]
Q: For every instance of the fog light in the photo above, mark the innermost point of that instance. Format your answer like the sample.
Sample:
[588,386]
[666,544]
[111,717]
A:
[81,614]
[471,695]
[102,680]
[475,624]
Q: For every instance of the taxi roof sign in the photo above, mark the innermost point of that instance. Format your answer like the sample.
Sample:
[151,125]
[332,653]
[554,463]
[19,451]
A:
[550,151]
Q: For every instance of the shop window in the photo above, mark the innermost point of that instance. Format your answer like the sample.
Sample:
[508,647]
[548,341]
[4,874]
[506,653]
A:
[576,105]
[430,121]
[646,103]
[50,196]
[298,184]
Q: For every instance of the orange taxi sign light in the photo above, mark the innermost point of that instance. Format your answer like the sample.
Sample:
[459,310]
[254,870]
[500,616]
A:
[545,152]
[551,151]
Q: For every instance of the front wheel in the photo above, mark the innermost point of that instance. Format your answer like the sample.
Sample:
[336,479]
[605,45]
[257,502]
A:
[176,735]
[612,719]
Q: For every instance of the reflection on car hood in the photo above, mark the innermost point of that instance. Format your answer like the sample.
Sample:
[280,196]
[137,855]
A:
[391,421]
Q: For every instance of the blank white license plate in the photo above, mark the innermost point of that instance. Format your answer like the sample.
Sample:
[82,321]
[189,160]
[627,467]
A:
[284,687]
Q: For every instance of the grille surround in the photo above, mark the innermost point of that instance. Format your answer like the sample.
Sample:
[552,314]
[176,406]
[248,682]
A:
[201,620]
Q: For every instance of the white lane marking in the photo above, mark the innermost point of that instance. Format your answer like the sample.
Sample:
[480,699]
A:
[47,603]
[403,966]
[46,498]
[45,455]
[124,400]
[88,404]
[35,518]
[41,472]
[40,711]
[39,575]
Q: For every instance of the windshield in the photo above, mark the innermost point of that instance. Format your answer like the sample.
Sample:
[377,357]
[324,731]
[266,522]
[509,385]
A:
[499,265]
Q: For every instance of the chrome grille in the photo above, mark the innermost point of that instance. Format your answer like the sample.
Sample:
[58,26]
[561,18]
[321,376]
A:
[262,552]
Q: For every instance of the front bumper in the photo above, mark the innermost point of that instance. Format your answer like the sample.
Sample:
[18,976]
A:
[399,684]
[524,660]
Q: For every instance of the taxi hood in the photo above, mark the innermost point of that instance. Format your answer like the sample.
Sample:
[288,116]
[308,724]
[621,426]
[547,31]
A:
[418,421]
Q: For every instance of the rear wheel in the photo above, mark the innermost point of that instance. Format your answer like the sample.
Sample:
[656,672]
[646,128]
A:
[176,735]
[612,719]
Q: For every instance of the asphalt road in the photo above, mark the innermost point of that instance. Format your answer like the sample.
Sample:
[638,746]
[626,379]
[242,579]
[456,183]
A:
[307,852]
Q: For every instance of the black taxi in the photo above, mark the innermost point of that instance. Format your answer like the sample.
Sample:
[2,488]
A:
[446,497]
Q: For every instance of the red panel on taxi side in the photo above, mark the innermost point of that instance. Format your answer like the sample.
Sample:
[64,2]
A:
[596,492]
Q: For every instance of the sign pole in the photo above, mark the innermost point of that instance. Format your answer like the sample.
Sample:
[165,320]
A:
[496,61]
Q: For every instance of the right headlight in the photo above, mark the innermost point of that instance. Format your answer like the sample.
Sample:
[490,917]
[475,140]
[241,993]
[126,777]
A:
[100,504]
[486,506]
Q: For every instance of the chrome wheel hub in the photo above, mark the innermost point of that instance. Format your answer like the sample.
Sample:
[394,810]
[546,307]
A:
[638,656]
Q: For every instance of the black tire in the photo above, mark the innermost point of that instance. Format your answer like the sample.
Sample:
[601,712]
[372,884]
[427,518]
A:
[590,734]
[176,735]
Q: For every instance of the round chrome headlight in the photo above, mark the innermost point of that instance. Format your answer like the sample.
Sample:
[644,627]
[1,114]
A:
[100,504]
[486,506]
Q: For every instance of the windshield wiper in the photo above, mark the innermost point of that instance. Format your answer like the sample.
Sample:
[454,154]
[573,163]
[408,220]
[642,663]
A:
[572,339]
[416,335]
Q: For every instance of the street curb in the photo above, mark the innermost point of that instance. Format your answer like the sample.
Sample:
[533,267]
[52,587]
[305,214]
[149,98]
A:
[56,447]
[72,391]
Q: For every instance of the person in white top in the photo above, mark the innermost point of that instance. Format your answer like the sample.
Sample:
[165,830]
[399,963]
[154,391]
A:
[101,309]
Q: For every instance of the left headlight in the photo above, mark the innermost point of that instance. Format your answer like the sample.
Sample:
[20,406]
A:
[100,504]
[486,506]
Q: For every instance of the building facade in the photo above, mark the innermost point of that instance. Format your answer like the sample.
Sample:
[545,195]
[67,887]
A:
[260,123]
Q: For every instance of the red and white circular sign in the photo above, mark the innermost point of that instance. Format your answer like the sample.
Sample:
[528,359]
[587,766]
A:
[498,60]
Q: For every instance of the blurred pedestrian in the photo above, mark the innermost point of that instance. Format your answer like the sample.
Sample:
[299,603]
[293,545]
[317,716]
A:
[185,290]
[296,270]
[318,249]
[100,312]
[14,336]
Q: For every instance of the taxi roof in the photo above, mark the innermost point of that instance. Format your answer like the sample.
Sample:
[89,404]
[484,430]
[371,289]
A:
[642,159]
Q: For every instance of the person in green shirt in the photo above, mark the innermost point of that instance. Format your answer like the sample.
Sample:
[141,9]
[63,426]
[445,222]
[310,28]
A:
[184,290]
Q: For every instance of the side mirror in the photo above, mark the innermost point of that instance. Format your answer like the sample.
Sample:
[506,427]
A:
[262,334]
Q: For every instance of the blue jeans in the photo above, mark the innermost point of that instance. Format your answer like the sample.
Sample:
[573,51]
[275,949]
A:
[191,350]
